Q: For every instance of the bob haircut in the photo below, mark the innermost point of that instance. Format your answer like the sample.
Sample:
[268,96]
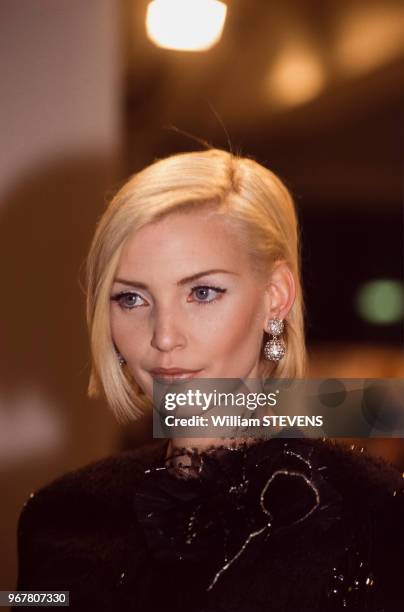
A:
[252,199]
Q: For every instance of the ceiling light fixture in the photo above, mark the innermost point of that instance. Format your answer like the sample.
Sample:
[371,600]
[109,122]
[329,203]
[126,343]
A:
[185,25]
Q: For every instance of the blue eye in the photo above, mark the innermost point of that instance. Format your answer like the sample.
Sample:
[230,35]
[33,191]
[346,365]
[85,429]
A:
[204,292]
[121,298]
[128,300]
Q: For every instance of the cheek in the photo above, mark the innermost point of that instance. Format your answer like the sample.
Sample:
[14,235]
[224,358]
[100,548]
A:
[124,328]
[239,322]
[117,325]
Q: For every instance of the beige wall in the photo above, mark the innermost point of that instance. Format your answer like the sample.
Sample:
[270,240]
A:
[60,146]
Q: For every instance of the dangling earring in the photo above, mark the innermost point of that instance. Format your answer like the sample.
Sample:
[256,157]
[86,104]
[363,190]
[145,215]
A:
[121,359]
[275,349]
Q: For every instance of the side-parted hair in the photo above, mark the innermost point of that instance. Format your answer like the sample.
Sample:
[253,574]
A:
[251,198]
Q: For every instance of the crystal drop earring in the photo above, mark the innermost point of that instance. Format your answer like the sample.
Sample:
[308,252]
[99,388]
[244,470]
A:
[121,359]
[275,349]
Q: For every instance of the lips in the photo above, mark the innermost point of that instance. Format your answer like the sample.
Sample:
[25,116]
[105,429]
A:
[173,373]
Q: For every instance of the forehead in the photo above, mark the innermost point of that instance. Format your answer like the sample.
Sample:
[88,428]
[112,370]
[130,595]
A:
[183,242]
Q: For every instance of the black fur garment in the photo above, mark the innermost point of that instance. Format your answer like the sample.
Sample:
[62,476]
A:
[291,525]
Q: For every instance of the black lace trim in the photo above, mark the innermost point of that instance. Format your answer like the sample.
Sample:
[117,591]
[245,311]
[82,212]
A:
[196,456]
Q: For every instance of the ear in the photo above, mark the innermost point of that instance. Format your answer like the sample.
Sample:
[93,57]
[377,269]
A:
[280,291]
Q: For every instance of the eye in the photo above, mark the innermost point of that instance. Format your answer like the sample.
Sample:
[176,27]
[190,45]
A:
[202,292]
[126,299]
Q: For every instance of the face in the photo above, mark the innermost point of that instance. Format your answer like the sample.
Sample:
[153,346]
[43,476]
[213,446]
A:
[185,296]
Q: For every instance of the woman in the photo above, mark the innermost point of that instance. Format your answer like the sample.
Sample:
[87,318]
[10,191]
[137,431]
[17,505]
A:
[194,271]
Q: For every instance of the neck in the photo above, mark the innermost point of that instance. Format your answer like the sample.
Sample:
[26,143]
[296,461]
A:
[202,443]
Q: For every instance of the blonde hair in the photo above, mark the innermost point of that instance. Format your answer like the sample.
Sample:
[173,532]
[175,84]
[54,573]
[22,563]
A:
[250,197]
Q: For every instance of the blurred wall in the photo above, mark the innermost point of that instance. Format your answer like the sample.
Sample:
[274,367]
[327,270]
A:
[60,148]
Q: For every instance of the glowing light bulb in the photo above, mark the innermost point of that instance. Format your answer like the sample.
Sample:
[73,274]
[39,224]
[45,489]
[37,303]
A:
[185,25]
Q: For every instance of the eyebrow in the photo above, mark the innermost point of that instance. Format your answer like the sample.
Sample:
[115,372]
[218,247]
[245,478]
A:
[181,282]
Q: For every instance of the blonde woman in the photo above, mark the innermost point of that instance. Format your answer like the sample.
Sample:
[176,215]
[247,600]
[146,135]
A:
[194,271]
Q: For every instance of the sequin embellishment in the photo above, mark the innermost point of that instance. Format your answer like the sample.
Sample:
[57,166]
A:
[245,514]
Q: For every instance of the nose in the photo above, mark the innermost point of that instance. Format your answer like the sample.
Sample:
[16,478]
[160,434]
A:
[168,333]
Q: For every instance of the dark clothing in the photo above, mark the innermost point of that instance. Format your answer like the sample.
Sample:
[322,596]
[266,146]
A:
[300,525]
